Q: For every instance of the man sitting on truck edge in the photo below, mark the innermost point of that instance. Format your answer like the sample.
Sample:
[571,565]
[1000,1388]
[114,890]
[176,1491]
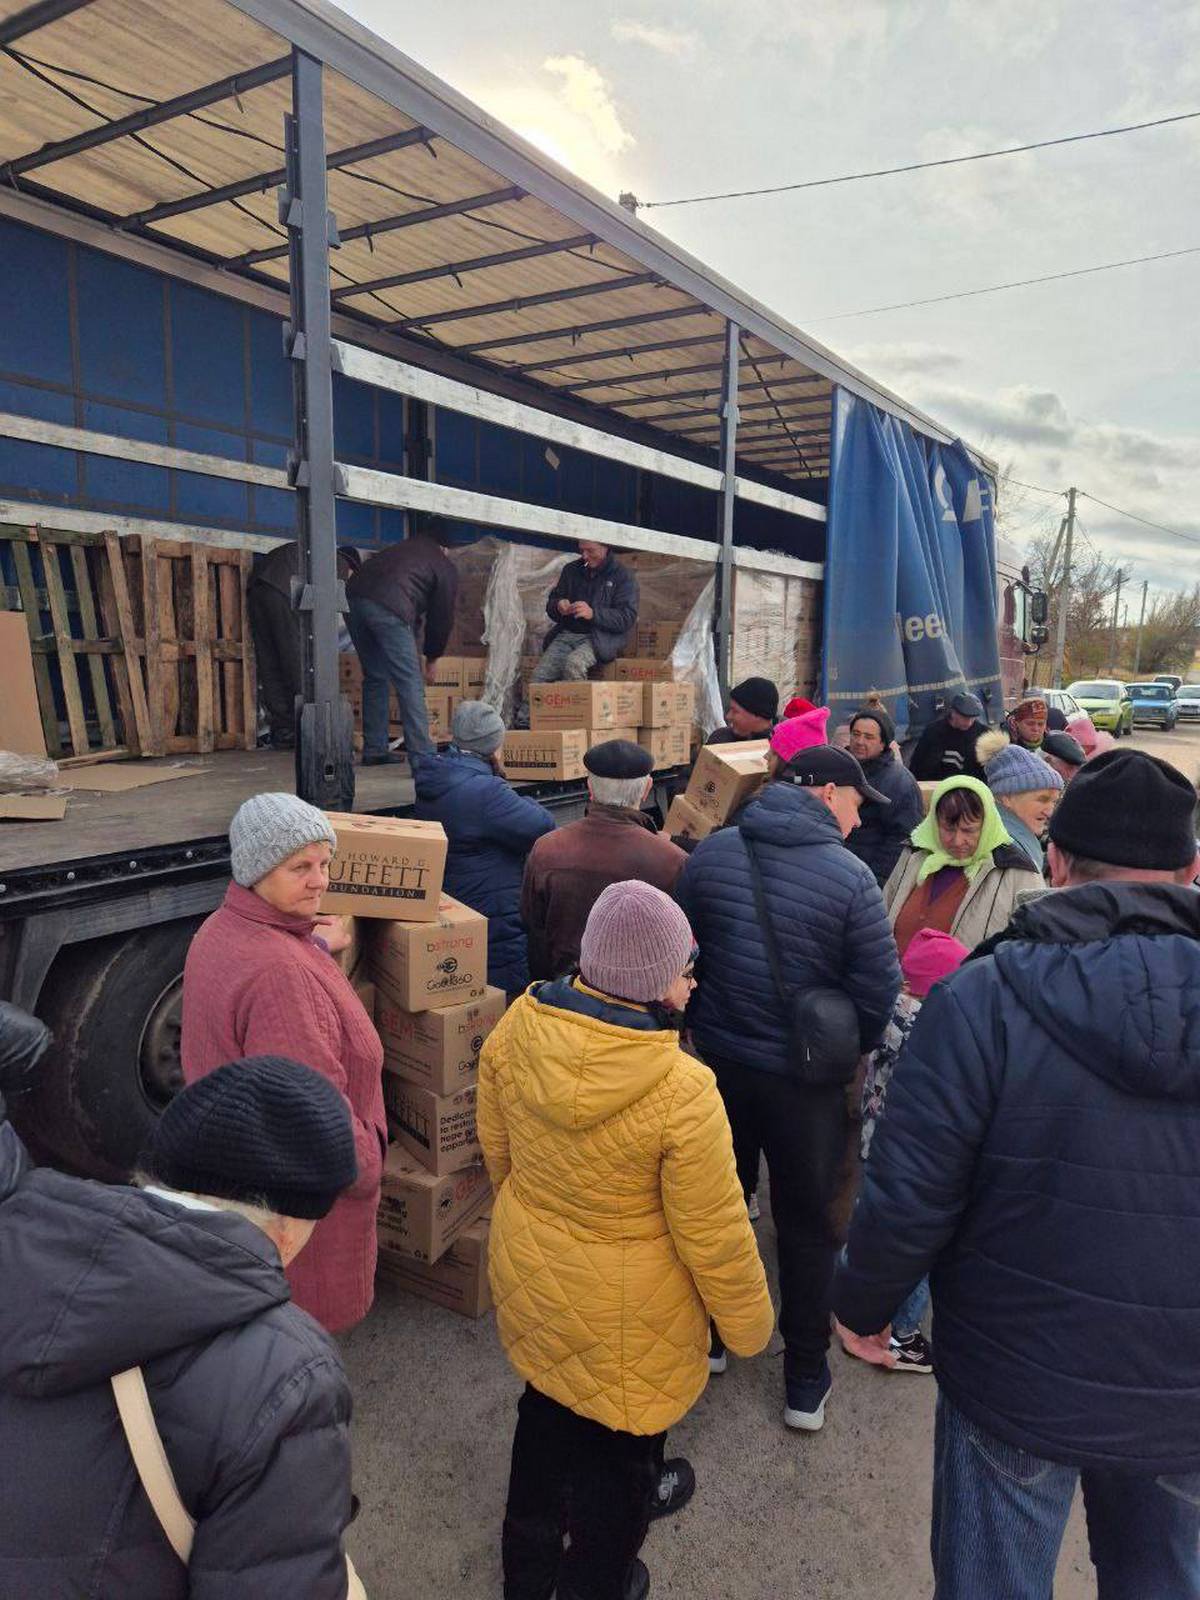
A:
[591,609]
[407,584]
[753,712]
[568,869]
[947,747]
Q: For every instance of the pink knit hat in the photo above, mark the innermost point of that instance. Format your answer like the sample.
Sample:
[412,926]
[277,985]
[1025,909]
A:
[636,943]
[800,733]
[930,956]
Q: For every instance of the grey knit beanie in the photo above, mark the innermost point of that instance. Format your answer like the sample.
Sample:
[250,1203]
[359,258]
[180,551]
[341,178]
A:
[1011,769]
[636,943]
[267,829]
[477,727]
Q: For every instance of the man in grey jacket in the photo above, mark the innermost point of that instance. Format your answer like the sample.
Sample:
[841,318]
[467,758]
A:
[184,1279]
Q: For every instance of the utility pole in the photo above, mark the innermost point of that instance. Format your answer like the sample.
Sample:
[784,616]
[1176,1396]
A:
[1064,595]
[1137,654]
[1112,651]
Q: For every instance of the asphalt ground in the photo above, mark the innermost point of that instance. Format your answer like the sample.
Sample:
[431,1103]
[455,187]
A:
[840,1515]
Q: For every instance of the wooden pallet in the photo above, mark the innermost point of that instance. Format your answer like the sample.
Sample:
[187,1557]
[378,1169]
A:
[190,629]
[60,575]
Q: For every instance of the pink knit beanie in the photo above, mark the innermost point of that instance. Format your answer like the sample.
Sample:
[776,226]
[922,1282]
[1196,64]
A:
[636,943]
[929,957]
[800,733]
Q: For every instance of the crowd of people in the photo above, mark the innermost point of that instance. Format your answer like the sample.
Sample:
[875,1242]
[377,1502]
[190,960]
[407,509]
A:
[959,1028]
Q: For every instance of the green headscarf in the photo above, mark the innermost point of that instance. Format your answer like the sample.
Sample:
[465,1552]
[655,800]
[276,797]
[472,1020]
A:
[992,835]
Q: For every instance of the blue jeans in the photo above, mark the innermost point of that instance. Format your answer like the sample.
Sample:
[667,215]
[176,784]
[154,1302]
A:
[999,1514]
[908,1319]
[387,651]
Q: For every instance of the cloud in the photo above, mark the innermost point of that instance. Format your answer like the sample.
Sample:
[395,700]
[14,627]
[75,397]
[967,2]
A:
[585,92]
[897,361]
[666,41]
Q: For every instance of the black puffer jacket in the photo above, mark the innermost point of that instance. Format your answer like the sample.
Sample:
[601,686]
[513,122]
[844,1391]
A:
[883,831]
[248,1394]
[1040,1152]
[828,916]
[612,592]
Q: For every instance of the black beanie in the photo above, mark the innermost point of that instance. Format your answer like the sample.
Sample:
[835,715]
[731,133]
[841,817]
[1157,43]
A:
[758,696]
[1128,809]
[265,1130]
[878,715]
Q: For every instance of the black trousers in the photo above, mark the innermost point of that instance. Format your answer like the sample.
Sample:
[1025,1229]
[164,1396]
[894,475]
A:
[805,1135]
[276,632]
[572,1477]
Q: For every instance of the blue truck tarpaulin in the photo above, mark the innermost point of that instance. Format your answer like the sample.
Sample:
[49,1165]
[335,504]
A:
[910,571]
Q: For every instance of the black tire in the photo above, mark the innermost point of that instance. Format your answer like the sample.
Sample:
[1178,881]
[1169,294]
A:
[113,1006]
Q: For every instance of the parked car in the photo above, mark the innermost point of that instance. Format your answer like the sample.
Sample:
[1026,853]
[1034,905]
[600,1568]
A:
[1154,703]
[1106,702]
[1187,702]
[1168,677]
[1060,700]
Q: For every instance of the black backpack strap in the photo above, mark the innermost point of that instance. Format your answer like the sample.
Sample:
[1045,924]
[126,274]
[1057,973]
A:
[764,921]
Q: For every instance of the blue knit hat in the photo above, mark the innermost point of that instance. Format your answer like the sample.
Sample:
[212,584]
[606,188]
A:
[1011,769]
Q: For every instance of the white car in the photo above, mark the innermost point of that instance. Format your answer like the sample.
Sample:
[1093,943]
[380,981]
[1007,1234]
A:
[1187,701]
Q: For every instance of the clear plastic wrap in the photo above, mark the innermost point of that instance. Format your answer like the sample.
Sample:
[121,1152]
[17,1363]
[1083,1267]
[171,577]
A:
[776,630]
[21,773]
[694,659]
[514,615]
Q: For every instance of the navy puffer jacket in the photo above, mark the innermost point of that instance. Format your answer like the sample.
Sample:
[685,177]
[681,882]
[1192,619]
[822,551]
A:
[1040,1152]
[827,913]
[491,830]
[883,831]
[248,1394]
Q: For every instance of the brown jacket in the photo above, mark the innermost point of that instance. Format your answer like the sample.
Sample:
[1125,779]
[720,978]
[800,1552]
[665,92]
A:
[569,869]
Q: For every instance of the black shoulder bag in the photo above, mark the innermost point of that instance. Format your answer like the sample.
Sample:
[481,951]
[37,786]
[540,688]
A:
[824,1045]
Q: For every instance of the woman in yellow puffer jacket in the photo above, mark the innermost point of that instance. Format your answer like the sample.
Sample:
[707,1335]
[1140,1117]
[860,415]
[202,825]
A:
[619,1229]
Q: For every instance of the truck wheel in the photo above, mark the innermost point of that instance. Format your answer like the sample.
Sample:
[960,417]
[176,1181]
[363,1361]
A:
[114,1006]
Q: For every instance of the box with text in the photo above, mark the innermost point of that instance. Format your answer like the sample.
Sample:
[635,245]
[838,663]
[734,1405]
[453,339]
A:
[668,747]
[437,1130]
[574,705]
[546,753]
[420,1214]
[385,867]
[457,1282]
[439,1050]
[424,965]
[725,776]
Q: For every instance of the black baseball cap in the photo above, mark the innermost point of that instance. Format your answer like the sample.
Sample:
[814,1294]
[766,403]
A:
[825,763]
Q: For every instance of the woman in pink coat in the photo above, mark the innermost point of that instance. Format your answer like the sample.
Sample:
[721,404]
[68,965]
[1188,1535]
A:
[260,980]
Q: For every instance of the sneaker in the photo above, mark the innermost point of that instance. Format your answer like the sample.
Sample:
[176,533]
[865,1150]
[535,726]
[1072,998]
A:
[753,1210]
[806,1397]
[717,1359]
[391,758]
[676,1487]
[913,1353]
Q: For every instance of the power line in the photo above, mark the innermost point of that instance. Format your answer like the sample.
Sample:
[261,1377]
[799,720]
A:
[1019,283]
[1036,487]
[918,166]
[1176,533]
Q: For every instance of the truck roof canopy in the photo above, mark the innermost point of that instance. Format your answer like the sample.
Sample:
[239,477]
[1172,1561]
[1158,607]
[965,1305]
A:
[461,246]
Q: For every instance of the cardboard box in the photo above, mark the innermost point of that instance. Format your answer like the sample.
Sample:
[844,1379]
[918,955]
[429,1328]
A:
[20,720]
[425,965]
[439,703]
[630,698]
[725,776]
[474,671]
[390,867]
[656,639]
[437,1130]
[365,990]
[927,786]
[439,1050]
[458,1282]
[349,958]
[603,735]
[575,705]
[447,674]
[546,753]
[420,1214]
[668,747]
[633,669]
[685,820]
[668,705]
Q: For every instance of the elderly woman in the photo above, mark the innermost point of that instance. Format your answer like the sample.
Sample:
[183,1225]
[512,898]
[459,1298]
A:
[961,874]
[1027,789]
[179,1284]
[619,1230]
[260,980]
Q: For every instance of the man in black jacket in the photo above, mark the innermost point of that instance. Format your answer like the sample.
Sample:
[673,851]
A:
[1040,1156]
[752,714]
[882,831]
[404,586]
[592,607]
[947,747]
[184,1279]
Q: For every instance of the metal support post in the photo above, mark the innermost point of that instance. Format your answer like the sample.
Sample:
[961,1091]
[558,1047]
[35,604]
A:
[324,726]
[1137,654]
[729,422]
[1064,596]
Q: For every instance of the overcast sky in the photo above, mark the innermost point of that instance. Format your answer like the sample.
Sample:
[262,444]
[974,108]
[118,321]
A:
[1093,381]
